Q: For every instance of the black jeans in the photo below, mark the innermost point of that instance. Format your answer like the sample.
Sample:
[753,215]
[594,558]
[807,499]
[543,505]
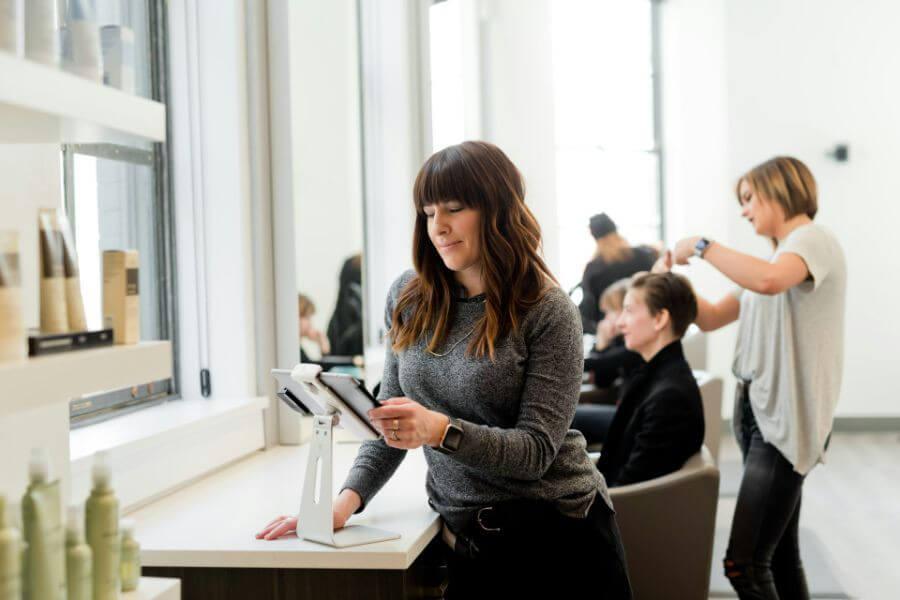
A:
[544,554]
[763,557]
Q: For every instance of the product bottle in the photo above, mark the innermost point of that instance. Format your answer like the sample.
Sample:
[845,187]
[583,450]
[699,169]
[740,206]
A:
[10,558]
[131,557]
[79,580]
[102,528]
[41,515]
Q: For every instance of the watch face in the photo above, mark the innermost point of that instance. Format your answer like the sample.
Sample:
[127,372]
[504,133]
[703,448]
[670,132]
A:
[452,438]
[701,245]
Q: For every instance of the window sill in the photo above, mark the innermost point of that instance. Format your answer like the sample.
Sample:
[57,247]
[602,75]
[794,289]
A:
[158,449]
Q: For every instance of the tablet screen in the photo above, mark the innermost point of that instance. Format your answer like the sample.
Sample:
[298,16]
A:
[352,392]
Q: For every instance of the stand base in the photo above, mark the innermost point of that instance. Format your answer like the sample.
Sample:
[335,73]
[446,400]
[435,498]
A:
[353,535]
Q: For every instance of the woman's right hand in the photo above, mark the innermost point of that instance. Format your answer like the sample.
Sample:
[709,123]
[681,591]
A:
[344,506]
[663,264]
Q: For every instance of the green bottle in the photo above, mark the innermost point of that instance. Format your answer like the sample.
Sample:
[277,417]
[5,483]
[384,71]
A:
[79,579]
[131,557]
[41,515]
[10,558]
[101,516]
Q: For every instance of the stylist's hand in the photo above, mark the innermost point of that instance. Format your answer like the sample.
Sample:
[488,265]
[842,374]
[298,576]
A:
[344,505]
[406,424]
[663,264]
[684,249]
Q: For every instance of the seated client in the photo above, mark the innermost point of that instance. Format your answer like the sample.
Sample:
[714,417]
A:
[610,364]
[659,422]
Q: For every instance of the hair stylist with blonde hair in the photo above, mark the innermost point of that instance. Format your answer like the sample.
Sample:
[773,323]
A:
[788,361]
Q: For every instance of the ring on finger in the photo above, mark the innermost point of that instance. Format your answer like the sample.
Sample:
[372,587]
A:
[396,424]
[394,436]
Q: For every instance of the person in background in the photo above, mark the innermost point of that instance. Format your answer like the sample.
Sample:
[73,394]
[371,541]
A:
[659,422]
[483,372]
[610,364]
[613,260]
[345,332]
[309,331]
[788,362]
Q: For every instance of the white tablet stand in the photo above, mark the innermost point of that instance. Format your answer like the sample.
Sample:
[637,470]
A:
[315,521]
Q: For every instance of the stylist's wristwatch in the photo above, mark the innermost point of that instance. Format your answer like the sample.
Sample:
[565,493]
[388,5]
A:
[452,437]
[701,247]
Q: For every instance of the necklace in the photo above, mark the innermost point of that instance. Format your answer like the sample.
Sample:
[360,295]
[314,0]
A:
[455,344]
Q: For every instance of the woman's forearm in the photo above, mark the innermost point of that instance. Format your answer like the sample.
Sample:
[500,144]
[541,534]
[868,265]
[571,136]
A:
[749,272]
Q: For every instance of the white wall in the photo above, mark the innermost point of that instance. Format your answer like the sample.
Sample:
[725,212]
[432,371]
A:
[324,70]
[517,103]
[221,45]
[395,143]
[695,136]
[799,77]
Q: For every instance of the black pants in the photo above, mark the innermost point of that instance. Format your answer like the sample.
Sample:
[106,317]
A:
[544,554]
[763,557]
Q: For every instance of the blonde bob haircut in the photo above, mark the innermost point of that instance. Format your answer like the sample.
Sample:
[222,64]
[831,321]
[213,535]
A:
[787,182]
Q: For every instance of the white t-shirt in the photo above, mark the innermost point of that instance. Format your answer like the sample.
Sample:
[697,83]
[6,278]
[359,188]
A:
[791,346]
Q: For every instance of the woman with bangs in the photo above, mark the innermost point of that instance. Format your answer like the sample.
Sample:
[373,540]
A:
[788,362]
[483,372]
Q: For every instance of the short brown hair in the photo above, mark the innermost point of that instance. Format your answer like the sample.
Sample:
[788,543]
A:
[671,292]
[786,181]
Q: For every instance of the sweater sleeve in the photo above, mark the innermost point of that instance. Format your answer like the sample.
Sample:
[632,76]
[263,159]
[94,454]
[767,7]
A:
[376,462]
[549,394]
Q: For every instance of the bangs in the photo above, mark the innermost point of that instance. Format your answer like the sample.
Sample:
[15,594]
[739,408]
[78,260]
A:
[445,176]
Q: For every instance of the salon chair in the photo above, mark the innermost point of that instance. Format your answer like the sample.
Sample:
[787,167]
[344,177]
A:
[667,526]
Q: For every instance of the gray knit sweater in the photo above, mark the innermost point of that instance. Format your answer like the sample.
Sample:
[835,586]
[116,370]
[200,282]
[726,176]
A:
[516,413]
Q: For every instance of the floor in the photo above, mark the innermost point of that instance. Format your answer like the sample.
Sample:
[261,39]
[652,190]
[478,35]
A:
[853,504]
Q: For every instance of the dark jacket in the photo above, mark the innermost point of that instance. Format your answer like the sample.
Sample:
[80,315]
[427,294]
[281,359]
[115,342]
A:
[345,332]
[659,423]
[613,362]
[599,275]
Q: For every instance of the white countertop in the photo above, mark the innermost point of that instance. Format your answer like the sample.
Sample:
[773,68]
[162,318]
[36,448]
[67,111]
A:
[213,522]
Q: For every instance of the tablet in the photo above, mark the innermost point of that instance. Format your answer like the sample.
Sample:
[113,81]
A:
[351,391]
[298,401]
[348,399]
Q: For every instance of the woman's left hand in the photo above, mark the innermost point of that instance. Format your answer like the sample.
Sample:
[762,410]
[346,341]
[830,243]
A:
[684,249]
[406,424]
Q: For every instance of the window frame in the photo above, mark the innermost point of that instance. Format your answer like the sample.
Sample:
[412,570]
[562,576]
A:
[102,406]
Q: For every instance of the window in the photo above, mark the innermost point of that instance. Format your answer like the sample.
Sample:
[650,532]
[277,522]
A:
[117,197]
[607,146]
[447,78]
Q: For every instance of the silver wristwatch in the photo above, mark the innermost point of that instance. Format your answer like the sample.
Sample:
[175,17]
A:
[701,247]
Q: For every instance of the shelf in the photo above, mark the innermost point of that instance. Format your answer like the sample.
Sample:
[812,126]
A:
[41,104]
[155,588]
[58,377]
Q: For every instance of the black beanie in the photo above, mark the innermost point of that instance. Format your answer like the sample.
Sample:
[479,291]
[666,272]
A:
[601,225]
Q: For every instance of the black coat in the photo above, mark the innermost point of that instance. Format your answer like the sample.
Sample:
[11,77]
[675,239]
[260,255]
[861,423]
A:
[659,423]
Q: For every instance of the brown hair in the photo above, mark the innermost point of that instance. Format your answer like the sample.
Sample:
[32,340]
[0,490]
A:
[785,181]
[613,297]
[480,176]
[671,292]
